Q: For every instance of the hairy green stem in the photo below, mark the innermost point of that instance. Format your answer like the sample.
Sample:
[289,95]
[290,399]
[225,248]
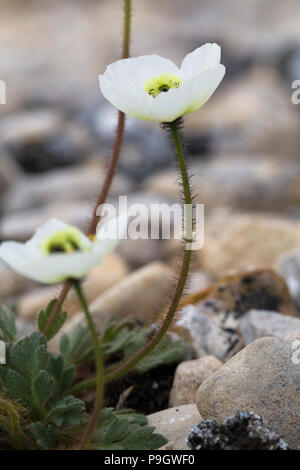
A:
[139,355]
[99,370]
[110,172]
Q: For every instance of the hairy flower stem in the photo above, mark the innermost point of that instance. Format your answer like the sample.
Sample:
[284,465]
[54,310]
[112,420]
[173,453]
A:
[110,172]
[99,370]
[120,127]
[139,355]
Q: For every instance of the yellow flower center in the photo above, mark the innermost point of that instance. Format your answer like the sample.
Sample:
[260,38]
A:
[64,241]
[161,83]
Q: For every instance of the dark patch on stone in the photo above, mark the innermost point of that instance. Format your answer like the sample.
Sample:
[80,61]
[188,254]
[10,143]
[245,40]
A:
[244,431]
[222,288]
[247,280]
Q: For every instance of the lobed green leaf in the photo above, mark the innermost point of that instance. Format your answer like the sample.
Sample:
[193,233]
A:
[43,318]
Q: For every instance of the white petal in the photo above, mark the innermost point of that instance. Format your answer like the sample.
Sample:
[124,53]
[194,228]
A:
[21,258]
[46,230]
[202,86]
[62,266]
[205,57]
[138,69]
[49,228]
[188,97]
[167,107]
[123,83]
[48,269]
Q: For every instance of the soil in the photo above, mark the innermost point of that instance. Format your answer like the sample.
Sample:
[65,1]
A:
[150,392]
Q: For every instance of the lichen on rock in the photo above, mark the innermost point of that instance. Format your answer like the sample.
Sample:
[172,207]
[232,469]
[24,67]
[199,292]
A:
[244,431]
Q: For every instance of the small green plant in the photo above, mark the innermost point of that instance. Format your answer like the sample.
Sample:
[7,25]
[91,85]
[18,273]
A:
[119,341]
[38,409]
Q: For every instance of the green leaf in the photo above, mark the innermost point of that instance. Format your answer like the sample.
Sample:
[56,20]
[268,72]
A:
[70,411]
[64,376]
[116,431]
[125,430]
[29,355]
[33,376]
[77,348]
[121,341]
[118,338]
[15,385]
[7,324]
[43,386]
[168,351]
[43,435]
[144,439]
[43,317]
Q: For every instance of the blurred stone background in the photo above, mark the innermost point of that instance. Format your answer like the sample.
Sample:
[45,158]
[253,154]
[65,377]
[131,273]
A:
[56,132]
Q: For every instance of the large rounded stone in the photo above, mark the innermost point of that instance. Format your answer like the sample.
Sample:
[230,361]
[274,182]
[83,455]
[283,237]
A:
[188,376]
[140,296]
[174,424]
[261,378]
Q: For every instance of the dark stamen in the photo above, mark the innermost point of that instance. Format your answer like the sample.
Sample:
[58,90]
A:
[164,88]
[62,248]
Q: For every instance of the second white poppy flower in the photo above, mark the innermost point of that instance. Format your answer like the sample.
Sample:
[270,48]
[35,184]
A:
[58,251]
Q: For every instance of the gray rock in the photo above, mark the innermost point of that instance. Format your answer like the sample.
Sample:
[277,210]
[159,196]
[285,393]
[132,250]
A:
[289,267]
[261,378]
[66,185]
[247,33]
[43,139]
[211,334]
[22,225]
[140,252]
[240,121]
[258,323]
[9,174]
[293,336]
[244,181]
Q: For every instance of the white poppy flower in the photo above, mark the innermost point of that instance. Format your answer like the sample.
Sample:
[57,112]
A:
[58,251]
[155,89]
